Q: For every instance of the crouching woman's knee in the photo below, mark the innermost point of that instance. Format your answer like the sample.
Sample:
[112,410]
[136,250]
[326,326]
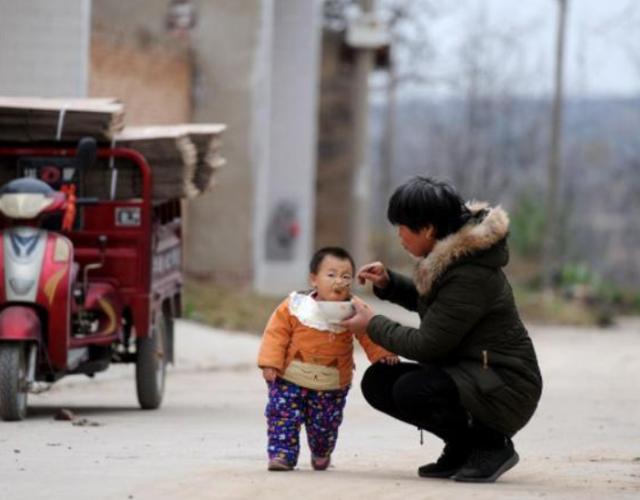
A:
[375,385]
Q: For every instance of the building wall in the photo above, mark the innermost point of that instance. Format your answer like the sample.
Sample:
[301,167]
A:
[221,54]
[151,78]
[285,199]
[230,43]
[256,70]
[135,59]
[44,48]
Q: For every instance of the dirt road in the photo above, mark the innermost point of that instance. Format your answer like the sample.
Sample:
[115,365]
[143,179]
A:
[208,439]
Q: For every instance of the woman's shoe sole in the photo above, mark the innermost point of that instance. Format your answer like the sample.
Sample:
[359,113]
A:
[441,475]
[513,460]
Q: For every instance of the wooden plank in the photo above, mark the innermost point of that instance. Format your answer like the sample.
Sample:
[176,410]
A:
[183,157]
[28,119]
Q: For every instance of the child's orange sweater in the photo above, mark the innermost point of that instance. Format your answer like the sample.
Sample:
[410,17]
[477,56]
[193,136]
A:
[310,357]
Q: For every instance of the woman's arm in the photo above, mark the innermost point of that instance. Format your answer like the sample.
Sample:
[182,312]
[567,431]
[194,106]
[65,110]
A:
[460,303]
[400,290]
[390,286]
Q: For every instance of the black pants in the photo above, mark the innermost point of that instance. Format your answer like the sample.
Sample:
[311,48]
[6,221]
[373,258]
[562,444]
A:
[426,397]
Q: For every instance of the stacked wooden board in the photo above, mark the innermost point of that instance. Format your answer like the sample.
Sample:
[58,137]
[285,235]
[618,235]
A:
[29,119]
[206,138]
[183,158]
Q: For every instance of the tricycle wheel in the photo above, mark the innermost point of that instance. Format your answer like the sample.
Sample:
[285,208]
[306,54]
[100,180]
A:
[151,365]
[13,381]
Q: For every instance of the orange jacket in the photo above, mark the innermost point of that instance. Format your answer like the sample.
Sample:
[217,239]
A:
[308,356]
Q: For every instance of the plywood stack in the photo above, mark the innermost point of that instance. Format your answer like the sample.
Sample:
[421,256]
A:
[170,154]
[206,137]
[29,119]
[183,158]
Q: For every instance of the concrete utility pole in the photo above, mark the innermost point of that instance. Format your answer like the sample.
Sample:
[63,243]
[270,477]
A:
[388,155]
[360,222]
[550,248]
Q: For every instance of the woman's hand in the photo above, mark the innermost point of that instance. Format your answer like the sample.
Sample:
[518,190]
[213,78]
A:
[269,374]
[360,320]
[376,273]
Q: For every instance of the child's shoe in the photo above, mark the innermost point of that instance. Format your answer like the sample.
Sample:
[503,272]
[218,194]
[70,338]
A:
[279,464]
[320,463]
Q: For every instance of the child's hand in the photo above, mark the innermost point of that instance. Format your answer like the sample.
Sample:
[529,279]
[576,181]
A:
[390,360]
[269,374]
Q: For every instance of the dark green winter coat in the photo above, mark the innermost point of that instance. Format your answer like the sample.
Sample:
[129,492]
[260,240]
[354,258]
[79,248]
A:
[469,323]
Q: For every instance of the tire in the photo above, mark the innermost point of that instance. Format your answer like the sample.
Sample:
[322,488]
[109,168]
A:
[13,386]
[151,365]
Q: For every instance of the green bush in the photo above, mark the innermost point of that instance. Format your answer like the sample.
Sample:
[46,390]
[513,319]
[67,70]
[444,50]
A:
[578,281]
[578,273]
[527,226]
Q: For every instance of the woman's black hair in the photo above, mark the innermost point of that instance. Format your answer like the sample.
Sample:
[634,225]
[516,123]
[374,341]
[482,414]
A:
[423,201]
[337,252]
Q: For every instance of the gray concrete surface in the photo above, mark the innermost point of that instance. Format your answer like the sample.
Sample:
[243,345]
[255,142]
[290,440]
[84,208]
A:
[208,440]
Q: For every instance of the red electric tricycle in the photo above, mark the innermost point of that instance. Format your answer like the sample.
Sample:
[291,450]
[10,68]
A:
[90,269]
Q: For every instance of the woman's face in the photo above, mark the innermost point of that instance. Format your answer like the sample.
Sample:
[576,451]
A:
[420,243]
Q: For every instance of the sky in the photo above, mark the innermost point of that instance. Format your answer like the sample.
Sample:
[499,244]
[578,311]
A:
[602,52]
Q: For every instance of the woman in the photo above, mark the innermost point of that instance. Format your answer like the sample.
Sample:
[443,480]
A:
[476,381]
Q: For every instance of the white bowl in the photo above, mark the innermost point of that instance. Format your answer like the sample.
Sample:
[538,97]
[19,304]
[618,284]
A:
[335,311]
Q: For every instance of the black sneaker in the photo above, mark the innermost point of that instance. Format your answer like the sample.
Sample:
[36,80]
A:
[452,458]
[487,465]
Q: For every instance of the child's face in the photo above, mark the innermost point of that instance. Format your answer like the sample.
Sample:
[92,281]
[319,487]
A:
[333,279]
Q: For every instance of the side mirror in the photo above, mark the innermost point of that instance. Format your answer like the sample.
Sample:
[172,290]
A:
[86,153]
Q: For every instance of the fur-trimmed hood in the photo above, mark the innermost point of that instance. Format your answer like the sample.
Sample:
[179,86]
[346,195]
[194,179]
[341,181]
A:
[487,226]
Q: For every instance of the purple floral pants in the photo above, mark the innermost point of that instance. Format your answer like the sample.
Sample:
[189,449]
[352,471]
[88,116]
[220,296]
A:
[289,407]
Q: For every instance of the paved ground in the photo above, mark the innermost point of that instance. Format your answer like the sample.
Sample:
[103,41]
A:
[208,439]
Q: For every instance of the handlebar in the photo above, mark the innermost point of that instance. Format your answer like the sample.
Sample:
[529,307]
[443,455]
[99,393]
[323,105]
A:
[87,201]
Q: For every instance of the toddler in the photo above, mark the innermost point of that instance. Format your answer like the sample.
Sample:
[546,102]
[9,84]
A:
[308,364]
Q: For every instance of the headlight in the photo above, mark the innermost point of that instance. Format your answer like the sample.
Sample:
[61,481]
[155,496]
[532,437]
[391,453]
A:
[23,205]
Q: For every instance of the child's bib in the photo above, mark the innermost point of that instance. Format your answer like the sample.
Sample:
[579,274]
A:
[305,308]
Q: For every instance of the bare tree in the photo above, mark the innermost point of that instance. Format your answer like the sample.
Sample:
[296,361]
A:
[408,23]
[411,49]
[485,138]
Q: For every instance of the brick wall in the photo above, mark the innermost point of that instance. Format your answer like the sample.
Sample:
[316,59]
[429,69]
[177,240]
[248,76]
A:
[153,80]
